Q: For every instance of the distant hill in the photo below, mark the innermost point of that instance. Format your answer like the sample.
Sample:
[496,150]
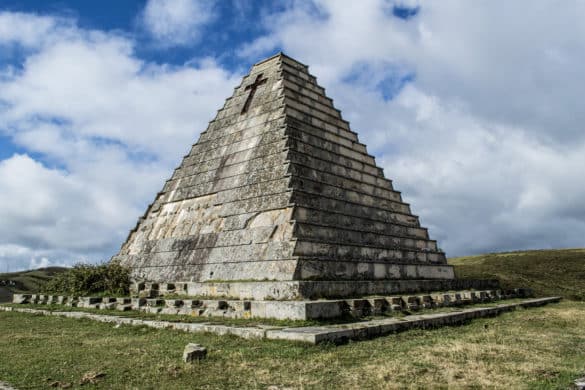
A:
[548,272]
[27,281]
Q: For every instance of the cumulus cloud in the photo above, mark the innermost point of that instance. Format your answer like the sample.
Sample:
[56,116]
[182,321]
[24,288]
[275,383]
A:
[16,28]
[472,108]
[102,130]
[177,22]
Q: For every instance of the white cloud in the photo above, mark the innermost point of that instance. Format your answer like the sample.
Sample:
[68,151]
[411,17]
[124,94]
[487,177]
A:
[103,130]
[26,29]
[177,22]
[486,141]
[43,262]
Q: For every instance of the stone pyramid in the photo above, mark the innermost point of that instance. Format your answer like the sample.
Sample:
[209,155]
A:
[278,188]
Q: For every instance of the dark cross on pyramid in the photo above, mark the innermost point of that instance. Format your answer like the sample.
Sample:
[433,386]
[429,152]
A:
[252,88]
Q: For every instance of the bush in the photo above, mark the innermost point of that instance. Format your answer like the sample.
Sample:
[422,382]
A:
[88,279]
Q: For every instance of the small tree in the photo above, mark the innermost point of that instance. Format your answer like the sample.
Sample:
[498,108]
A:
[86,279]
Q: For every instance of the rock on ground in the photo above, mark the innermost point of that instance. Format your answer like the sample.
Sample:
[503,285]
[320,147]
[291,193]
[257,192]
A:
[194,352]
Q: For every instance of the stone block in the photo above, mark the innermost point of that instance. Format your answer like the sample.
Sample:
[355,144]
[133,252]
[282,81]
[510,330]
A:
[456,299]
[396,303]
[90,300]
[137,303]
[148,293]
[174,303]
[21,298]
[194,352]
[108,305]
[467,297]
[441,300]
[237,305]
[413,303]
[426,302]
[191,303]
[360,307]
[378,305]
[153,302]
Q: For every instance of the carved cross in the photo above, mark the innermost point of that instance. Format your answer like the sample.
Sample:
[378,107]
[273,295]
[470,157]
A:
[252,88]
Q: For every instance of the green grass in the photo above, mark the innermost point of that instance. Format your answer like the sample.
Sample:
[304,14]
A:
[540,348]
[31,281]
[548,272]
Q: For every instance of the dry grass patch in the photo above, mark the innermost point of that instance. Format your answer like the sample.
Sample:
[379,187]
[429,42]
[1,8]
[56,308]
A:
[548,272]
[536,348]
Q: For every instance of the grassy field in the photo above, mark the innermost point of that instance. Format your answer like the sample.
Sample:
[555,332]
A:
[537,348]
[541,348]
[548,272]
[29,281]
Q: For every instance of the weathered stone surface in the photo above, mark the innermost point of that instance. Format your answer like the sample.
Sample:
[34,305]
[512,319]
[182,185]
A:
[21,298]
[279,188]
[6,386]
[294,290]
[292,309]
[317,334]
[194,352]
[580,383]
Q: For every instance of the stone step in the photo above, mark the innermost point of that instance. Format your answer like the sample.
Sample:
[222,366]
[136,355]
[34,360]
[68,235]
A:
[293,310]
[337,334]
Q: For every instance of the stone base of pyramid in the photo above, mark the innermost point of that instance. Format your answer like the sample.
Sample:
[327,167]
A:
[303,289]
[309,290]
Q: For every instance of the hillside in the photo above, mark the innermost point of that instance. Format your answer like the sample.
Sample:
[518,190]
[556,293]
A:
[28,281]
[548,272]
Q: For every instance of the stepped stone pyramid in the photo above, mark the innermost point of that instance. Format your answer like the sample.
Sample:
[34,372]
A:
[277,190]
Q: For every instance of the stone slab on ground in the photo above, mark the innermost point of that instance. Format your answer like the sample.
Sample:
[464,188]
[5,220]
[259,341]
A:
[6,386]
[194,352]
[313,334]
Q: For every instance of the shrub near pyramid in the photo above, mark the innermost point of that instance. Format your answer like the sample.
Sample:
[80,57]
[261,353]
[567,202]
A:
[278,199]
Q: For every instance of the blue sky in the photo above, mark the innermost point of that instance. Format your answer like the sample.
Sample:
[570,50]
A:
[472,111]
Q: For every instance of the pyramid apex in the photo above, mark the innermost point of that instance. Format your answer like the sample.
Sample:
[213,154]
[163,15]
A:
[281,55]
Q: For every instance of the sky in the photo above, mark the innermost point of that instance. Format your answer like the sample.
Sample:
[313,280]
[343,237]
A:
[473,109]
